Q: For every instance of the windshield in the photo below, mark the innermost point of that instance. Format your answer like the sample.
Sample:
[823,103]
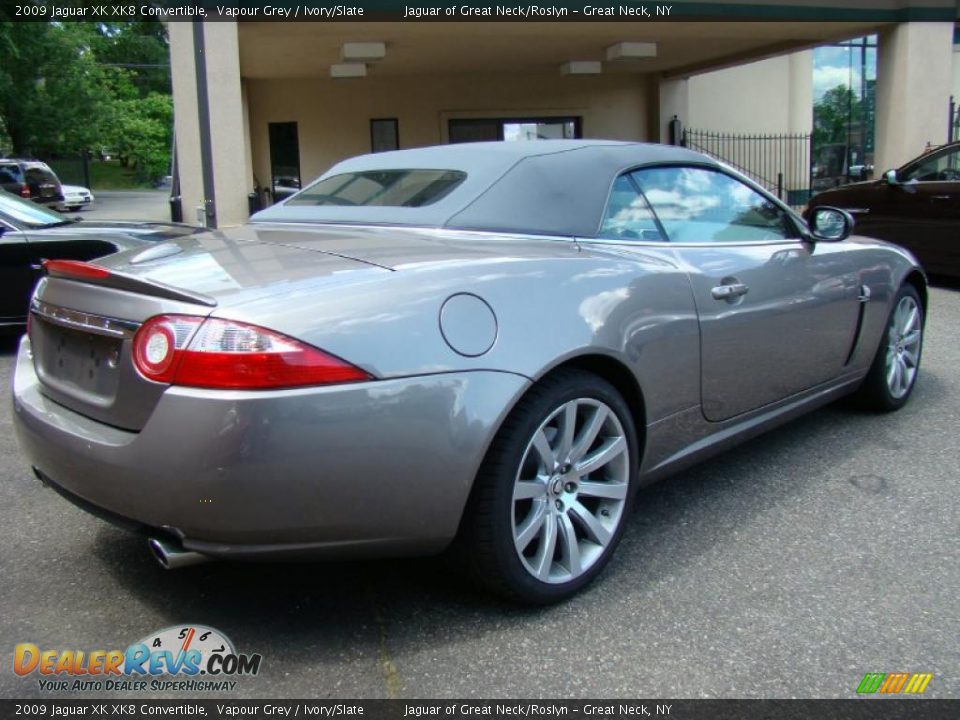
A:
[383,188]
[27,213]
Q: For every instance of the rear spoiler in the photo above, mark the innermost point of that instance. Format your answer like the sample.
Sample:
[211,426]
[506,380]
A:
[98,275]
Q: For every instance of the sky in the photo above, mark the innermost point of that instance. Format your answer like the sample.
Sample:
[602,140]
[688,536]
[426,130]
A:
[833,66]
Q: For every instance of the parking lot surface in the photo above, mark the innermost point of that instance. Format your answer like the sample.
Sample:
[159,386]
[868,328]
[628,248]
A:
[127,205]
[788,567]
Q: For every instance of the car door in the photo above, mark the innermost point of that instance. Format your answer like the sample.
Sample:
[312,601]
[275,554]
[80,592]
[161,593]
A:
[777,314]
[927,200]
[16,277]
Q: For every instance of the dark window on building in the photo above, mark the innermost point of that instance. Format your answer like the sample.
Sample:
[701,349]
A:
[284,160]
[543,128]
[384,134]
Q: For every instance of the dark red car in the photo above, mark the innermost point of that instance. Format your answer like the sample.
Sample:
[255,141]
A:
[916,206]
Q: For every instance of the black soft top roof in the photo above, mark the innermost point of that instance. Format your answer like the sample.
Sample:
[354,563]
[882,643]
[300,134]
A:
[551,187]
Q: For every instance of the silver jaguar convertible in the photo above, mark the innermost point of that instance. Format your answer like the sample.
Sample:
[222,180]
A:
[482,348]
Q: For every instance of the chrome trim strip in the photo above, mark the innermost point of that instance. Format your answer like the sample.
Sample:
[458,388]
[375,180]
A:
[77,320]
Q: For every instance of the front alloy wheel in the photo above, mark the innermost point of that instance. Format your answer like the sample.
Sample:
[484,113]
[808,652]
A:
[896,366]
[903,346]
[553,493]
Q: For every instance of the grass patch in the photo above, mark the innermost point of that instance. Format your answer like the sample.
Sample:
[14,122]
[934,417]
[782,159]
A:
[109,175]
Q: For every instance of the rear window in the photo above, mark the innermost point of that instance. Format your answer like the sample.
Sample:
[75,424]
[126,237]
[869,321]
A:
[381,188]
[37,174]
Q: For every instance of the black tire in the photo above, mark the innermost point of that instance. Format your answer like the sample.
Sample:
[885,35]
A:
[485,546]
[876,393]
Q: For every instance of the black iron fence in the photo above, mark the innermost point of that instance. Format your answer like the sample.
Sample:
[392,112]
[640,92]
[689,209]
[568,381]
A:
[72,170]
[780,163]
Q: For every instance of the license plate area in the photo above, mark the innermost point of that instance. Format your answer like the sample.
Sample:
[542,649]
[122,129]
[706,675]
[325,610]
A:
[77,360]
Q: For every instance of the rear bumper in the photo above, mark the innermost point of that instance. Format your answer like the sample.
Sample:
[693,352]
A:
[76,202]
[367,469]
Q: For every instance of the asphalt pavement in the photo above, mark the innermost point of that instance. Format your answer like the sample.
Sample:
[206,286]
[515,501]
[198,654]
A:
[788,567]
[127,205]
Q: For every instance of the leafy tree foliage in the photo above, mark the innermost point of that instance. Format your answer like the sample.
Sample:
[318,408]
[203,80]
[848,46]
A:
[832,113]
[71,87]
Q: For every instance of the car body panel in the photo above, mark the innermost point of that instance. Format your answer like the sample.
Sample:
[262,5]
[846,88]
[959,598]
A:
[24,246]
[791,331]
[387,465]
[613,295]
[922,216]
[384,444]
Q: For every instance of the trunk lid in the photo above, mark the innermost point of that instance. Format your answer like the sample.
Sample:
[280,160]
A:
[81,331]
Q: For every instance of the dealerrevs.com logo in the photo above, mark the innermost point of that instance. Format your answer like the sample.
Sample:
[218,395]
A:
[183,657]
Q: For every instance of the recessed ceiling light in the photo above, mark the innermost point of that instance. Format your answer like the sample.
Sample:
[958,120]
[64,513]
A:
[581,67]
[348,70]
[363,51]
[631,50]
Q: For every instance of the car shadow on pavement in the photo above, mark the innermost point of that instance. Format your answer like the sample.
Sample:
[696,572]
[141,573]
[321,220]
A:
[361,607]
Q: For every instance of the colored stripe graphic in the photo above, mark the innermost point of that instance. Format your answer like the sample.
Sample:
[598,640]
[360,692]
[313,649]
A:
[894,683]
[918,683]
[871,683]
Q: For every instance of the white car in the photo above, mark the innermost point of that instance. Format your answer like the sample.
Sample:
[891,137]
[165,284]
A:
[76,198]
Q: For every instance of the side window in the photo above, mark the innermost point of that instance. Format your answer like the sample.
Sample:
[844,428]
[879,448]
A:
[9,174]
[701,206]
[628,215]
[939,168]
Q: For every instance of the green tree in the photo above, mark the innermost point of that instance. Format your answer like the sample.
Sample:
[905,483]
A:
[50,87]
[140,131]
[833,113]
[139,47]
[66,88]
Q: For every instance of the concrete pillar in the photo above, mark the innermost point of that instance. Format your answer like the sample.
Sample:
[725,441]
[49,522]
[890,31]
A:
[913,90]
[232,174]
[800,104]
[185,119]
[674,100]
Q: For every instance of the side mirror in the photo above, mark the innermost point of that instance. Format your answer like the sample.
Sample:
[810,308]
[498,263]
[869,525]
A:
[831,224]
[890,177]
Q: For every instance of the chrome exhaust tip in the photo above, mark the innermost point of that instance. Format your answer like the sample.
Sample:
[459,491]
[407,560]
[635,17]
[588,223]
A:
[172,556]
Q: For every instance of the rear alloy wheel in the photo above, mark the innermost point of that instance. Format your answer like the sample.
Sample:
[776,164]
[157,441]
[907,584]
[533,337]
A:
[555,489]
[897,363]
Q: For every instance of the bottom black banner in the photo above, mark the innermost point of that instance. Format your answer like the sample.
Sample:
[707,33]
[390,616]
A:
[867,709]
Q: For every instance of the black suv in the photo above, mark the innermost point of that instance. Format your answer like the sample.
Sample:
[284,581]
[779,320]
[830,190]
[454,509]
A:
[31,180]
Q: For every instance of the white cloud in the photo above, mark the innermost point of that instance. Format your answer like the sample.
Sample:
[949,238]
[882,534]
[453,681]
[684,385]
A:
[830,76]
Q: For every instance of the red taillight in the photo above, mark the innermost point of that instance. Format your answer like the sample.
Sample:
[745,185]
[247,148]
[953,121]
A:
[214,353]
[25,191]
[75,269]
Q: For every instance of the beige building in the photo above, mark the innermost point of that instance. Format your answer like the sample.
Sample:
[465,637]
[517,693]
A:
[268,104]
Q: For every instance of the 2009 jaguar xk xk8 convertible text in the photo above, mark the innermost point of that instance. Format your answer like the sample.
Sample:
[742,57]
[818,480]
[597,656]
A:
[489,346]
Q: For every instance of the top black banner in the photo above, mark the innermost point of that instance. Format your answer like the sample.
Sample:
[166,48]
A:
[477,10]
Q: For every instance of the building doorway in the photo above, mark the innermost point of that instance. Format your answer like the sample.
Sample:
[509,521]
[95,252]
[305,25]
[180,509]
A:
[284,160]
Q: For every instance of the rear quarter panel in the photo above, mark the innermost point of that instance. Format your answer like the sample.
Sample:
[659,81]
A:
[554,300]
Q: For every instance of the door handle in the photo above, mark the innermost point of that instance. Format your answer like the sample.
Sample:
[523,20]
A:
[729,292]
[940,197]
